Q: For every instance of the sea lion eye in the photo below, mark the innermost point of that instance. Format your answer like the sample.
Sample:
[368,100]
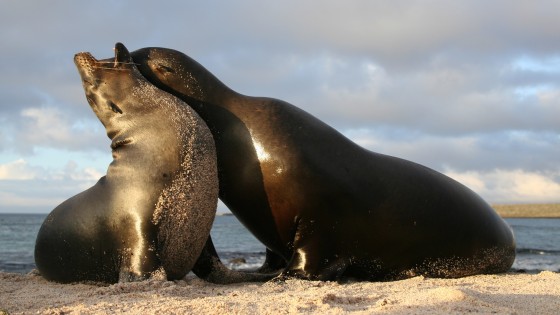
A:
[115,108]
[162,68]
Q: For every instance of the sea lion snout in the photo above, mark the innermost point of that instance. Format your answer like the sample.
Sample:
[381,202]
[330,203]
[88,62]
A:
[85,61]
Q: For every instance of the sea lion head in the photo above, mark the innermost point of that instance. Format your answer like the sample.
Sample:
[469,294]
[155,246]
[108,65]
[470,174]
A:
[178,74]
[107,84]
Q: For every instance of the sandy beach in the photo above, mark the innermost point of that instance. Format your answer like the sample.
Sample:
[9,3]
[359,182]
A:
[512,293]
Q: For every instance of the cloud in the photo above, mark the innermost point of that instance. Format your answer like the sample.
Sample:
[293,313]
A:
[511,186]
[401,35]
[56,129]
[31,188]
[18,170]
[508,150]
[22,170]
[441,98]
[49,127]
[470,86]
[37,196]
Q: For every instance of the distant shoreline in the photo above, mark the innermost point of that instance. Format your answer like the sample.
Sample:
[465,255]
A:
[551,210]
[537,210]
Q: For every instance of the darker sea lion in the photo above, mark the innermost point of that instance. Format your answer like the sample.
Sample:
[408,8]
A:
[323,206]
[155,207]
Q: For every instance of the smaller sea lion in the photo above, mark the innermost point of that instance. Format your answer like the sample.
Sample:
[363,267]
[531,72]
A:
[155,207]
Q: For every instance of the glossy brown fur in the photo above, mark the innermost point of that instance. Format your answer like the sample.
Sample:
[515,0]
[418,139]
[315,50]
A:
[155,207]
[327,207]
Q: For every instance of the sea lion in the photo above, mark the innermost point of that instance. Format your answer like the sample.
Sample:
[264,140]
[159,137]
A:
[155,207]
[326,208]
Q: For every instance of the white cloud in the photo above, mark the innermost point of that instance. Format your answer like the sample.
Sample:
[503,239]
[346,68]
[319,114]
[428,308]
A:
[463,85]
[37,196]
[17,170]
[50,127]
[497,171]
[511,186]
[49,122]
[12,200]
[28,188]
[21,170]
[508,150]
[527,63]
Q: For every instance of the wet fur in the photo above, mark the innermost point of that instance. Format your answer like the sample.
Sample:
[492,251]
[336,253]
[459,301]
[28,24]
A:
[154,209]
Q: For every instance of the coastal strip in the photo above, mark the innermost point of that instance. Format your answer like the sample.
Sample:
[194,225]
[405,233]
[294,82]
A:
[551,210]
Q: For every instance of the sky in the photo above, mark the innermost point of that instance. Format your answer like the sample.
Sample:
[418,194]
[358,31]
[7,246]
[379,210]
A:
[468,88]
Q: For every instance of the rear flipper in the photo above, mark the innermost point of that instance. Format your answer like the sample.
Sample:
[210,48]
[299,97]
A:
[209,267]
[273,263]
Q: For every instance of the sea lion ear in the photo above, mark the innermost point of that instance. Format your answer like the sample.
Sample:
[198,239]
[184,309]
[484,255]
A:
[121,54]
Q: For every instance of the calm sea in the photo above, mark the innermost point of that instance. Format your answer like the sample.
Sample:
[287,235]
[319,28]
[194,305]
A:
[538,243]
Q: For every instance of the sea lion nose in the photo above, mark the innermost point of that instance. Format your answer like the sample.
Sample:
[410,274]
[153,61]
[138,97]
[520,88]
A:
[85,63]
[84,58]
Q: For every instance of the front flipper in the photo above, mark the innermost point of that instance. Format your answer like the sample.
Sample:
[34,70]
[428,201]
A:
[209,267]
[309,267]
[316,255]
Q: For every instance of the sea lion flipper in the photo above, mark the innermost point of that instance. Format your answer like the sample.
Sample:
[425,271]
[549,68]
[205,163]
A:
[332,270]
[272,263]
[210,268]
[121,54]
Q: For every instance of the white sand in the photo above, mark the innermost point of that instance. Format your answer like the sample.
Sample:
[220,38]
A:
[502,294]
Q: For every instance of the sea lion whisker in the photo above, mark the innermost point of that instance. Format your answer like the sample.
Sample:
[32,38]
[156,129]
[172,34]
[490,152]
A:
[107,68]
[119,62]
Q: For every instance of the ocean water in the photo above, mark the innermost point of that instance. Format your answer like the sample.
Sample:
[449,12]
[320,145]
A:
[538,243]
